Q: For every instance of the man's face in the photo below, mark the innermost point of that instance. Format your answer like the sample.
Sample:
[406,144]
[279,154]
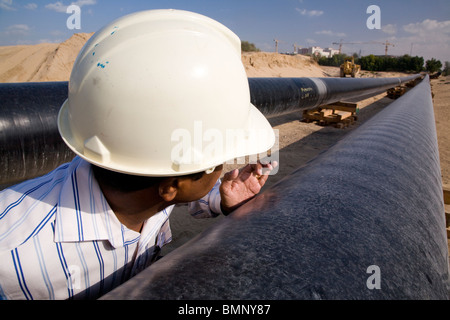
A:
[192,190]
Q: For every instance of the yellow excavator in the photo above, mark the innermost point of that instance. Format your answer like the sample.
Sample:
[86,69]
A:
[349,67]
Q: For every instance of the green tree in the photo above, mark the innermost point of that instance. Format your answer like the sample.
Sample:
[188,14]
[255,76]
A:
[417,64]
[433,65]
[248,47]
[369,63]
[446,71]
[334,61]
[404,63]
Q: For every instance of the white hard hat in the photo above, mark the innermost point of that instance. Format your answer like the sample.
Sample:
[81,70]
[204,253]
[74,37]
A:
[162,93]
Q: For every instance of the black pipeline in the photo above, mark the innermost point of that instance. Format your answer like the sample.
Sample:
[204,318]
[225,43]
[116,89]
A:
[364,220]
[30,144]
[274,96]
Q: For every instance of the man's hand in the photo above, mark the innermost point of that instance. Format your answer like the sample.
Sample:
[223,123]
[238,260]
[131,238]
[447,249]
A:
[238,187]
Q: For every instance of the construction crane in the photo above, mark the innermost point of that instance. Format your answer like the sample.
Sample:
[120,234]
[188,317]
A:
[341,43]
[386,44]
[276,44]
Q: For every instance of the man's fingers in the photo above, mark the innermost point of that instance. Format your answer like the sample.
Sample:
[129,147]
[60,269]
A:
[267,168]
[231,175]
[258,170]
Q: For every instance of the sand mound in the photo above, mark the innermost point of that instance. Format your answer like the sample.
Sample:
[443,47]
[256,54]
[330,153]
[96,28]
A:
[21,63]
[53,62]
[42,62]
[265,64]
[58,65]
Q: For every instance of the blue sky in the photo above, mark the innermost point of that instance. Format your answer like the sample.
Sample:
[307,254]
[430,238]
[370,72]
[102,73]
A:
[420,27]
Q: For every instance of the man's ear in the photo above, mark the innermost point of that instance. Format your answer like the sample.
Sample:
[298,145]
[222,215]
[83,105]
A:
[168,189]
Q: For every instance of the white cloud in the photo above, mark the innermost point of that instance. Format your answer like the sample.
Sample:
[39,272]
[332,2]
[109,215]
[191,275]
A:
[81,3]
[429,32]
[428,26]
[331,33]
[17,30]
[31,6]
[310,13]
[57,6]
[60,7]
[428,38]
[6,5]
[389,29]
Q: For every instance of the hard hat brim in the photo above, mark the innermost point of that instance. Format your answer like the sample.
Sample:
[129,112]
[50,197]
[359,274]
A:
[260,138]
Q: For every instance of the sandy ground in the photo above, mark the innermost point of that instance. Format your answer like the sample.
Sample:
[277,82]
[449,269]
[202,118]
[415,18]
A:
[441,102]
[299,141]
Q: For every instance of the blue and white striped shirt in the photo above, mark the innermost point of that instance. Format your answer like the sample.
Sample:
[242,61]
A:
[59,239]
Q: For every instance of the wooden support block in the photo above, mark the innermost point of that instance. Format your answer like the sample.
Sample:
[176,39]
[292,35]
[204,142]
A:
[312,110]
[342,106]
[396,92]
[326,112]
[344,112]
[446,191]
[447,219]
[341,115]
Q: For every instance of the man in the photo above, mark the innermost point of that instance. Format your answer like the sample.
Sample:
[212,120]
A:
[158,102]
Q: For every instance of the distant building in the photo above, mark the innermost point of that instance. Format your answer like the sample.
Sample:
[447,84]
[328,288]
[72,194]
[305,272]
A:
[328,52]
[331,51]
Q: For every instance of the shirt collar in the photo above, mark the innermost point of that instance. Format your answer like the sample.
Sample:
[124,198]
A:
[83,214]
